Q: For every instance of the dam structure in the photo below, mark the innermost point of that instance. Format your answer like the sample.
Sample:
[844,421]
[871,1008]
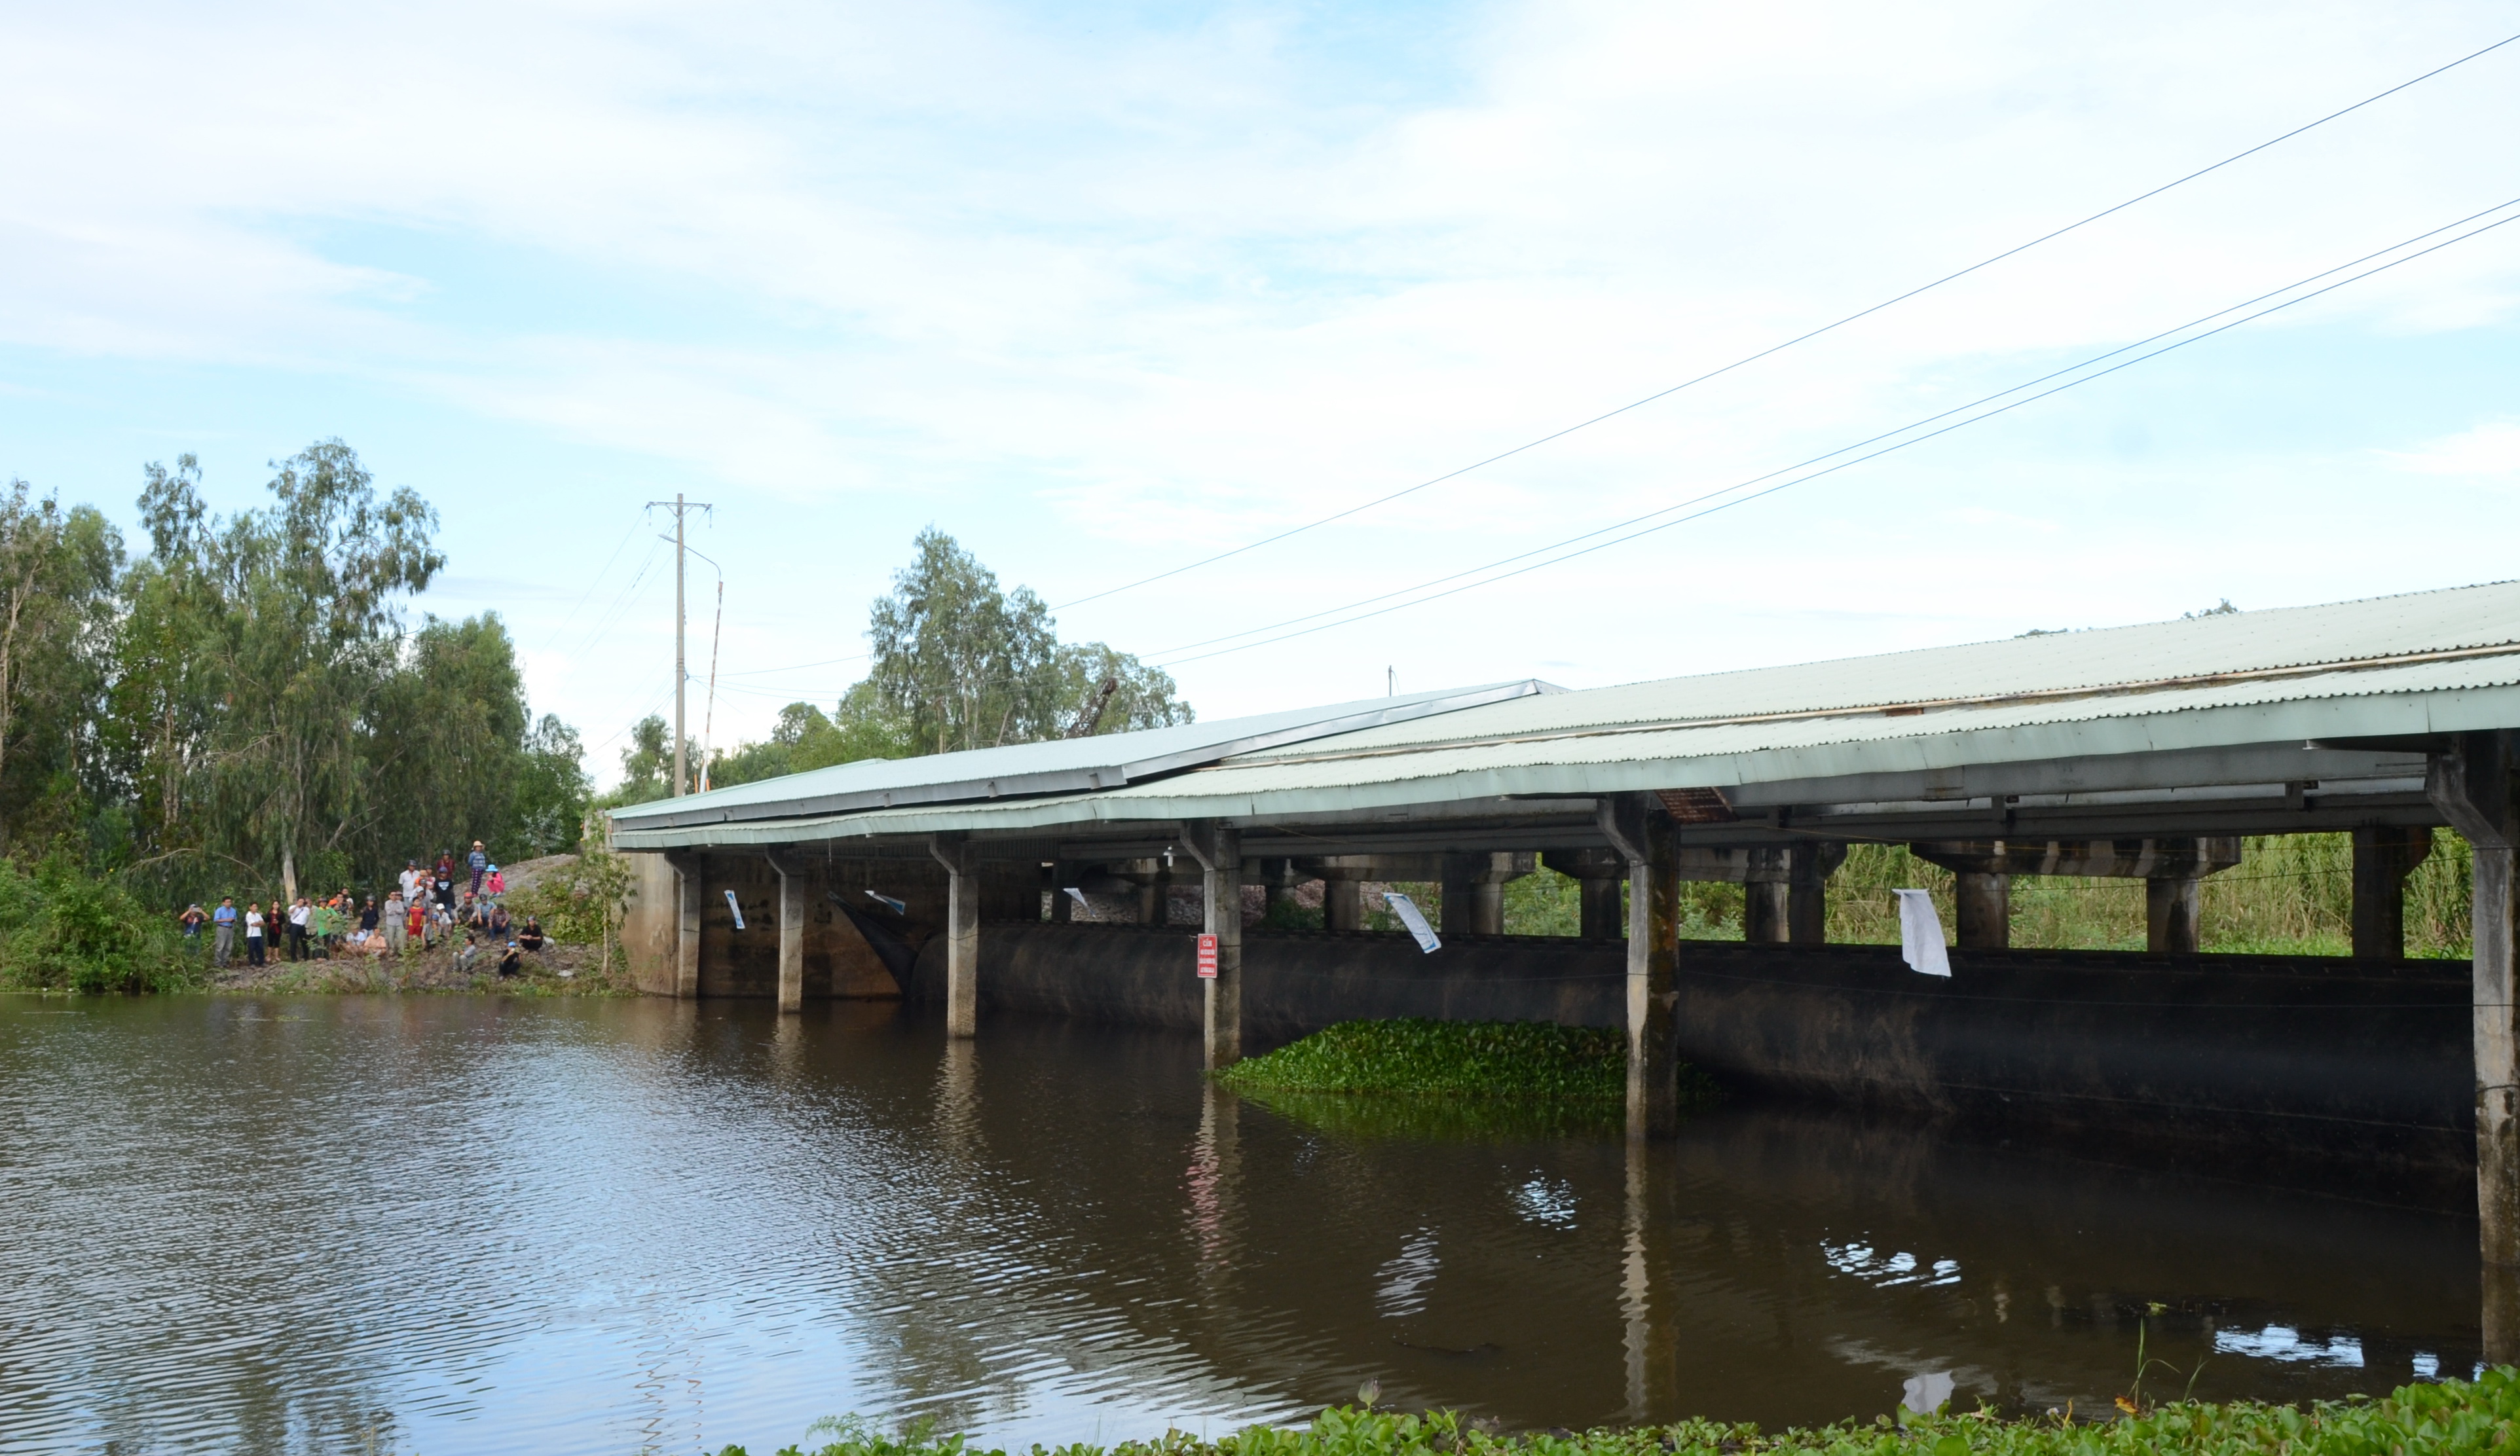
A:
[2141,753]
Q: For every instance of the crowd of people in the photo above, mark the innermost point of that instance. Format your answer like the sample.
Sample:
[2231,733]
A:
[453,904]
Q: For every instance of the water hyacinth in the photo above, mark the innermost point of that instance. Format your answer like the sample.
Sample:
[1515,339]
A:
[2479,1418]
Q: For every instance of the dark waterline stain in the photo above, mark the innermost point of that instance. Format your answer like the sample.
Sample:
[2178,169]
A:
[463,1224]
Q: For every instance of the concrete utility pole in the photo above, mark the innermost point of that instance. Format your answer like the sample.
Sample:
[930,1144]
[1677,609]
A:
[682,676]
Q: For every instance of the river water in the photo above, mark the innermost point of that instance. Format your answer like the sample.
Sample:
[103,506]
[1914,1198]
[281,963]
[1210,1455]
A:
[461,1224]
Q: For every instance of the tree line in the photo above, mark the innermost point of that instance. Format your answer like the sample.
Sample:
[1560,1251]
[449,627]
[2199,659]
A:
[957,662]
[241,703]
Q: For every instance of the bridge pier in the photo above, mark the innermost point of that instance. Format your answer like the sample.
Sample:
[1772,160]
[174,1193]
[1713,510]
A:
[1218,849]
[791,932]
[961,933]
[2475,788]
[1474,890]
[1638,829]
[688,890]
[2383,857]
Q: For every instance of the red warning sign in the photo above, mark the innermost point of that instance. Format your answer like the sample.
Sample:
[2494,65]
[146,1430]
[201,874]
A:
[1207,957]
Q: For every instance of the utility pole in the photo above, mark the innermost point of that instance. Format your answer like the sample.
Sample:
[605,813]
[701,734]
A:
[682,676]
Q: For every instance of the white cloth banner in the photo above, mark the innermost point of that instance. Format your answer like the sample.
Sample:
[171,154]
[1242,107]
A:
[734,909]
[1415,919]
[1920,934]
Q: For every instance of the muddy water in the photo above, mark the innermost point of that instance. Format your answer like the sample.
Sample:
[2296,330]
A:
[458,1225]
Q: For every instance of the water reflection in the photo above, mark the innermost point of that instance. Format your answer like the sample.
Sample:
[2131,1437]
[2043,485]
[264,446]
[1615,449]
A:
[452,1225]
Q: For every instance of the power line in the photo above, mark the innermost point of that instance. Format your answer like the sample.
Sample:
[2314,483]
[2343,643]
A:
[1738,500]
[1912,425]
[2049,237]
[596,581]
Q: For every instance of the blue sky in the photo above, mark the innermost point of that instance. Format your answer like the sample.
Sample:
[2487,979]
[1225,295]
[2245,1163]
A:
[1103,291]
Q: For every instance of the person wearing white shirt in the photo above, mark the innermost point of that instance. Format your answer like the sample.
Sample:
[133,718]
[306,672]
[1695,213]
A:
[254,938]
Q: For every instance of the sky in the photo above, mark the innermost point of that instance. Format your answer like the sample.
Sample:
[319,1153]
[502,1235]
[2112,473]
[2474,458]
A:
[1105,290]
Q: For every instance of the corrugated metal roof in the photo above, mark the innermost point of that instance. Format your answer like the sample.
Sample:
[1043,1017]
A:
[2417,698]
[1105,761]
[2461,618]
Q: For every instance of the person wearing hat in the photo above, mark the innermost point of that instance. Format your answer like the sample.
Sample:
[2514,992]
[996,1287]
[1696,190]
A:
[477,862]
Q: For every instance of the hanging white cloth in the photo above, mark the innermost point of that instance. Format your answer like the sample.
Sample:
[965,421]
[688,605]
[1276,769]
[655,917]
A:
[1920,934]
[1415,919]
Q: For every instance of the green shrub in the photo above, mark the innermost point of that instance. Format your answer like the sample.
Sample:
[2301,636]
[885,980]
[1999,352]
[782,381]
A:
[64,929]
[2474,1419]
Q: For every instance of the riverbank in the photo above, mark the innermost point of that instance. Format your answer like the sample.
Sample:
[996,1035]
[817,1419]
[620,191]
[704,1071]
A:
[2480,1416]
[557,970]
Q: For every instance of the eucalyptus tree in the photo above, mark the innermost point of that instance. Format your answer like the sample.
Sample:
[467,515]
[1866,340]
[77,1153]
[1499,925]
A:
[57,609]
[960,663]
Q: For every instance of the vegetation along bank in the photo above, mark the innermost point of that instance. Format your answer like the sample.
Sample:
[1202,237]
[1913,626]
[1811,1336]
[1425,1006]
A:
[2480,1418]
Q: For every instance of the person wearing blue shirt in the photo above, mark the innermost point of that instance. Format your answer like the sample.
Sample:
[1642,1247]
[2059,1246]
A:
[224,921]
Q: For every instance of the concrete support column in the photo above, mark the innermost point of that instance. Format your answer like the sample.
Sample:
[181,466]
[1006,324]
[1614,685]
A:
[2383,857]
[1342,902]
[791,934]
[1638,826]
[962,933]
[2173,906]
[1219,851]
[2473,786]
[1063,906]
[1277,884]
[1808,869]
[1155,895]
[687,932]
[1767,898]
[1605,911]
[1474,890]
[1984,903]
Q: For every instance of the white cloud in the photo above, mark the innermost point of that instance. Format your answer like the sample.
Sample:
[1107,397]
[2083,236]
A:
[2486,450]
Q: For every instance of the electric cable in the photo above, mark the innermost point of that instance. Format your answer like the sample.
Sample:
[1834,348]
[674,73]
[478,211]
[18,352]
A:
[1922,288]
[1171,660]
[596,581]
[1859,444]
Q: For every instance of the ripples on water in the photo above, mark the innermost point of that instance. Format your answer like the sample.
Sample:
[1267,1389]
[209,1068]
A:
[455,1224]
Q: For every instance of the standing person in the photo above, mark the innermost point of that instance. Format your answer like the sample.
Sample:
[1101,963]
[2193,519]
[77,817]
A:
[477,862]
[191,920]
[445,865]
[409,879]
[396,913]
[416,927]
[224,921]
[254,938]
[445,891]
[300,915]
[368,918]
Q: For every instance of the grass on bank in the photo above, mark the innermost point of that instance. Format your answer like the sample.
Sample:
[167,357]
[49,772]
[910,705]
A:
[2290,895]
[2480,1416]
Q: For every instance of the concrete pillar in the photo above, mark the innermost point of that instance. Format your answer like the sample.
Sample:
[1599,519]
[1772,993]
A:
[1985,905]
[1063,906]
[1219,851]
[1474,890]
[962,933]
[1767,898]
[1155,894]
[1808,869]
[1342,902]
[2473,786]
[687,880]
[1638,827]
[1277,884]
[1605,911]
[2383,857]
[792,934]
[2173,905]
